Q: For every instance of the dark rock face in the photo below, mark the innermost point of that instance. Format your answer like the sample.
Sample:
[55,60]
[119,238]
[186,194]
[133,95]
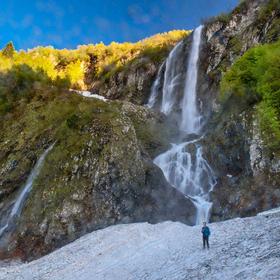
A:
[133,85]
[248,174]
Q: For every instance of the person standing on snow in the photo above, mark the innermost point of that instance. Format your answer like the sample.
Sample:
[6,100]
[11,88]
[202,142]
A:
[205,235]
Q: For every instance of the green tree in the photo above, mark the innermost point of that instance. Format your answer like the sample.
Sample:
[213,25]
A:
[9,50]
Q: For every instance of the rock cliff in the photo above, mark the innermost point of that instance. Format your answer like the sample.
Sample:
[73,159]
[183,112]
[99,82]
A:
[101,172]
[247,170]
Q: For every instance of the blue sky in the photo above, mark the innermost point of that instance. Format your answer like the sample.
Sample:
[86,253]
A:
[68,23]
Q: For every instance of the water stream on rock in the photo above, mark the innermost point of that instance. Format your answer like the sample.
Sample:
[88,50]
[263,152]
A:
[23,194]
[183,165]
[171,80]
[155,89]
[191,119]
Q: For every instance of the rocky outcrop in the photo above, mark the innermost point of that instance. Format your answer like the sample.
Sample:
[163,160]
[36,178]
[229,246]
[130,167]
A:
[98,175]
[224,39]
[133,80]
[133,84]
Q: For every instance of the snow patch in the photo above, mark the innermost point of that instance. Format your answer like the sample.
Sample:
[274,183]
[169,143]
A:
[270,212]
[239,249]
[86,93]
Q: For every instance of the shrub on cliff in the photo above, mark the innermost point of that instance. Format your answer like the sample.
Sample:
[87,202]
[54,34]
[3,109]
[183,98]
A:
[23,77]
[255,78]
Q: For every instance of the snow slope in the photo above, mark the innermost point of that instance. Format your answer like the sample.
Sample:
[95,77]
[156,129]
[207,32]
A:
[246,248]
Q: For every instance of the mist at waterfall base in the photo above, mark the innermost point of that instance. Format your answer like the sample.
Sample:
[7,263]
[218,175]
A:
[8,220]
[183,165]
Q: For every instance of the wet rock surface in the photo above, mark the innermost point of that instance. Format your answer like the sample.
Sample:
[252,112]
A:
[247,173]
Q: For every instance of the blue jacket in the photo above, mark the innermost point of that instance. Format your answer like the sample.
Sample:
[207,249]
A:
[205,231]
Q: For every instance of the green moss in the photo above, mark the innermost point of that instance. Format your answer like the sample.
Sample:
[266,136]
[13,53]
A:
[72,121]
[67,119]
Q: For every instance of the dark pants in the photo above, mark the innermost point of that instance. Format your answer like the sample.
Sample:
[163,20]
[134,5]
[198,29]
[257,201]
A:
[205,241]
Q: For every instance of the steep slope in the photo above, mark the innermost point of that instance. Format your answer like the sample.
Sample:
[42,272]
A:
[240,249]
[117,71]
[247,135]
[98,173]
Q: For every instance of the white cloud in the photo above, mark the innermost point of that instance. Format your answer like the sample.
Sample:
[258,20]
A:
[137,14]
[27,21]
[55,39]
[36,31]
[50,7]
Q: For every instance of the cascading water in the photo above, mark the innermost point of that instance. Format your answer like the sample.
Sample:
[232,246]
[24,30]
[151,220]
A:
[155,89]
[183,165]
[171,80]
[185,168]
[190,121]
[19,202]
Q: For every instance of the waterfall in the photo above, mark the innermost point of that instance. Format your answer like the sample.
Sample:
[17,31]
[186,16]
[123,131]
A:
[155,89]
[185,168]
[183,165]
[190,121]
[171,80]
[23,194]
